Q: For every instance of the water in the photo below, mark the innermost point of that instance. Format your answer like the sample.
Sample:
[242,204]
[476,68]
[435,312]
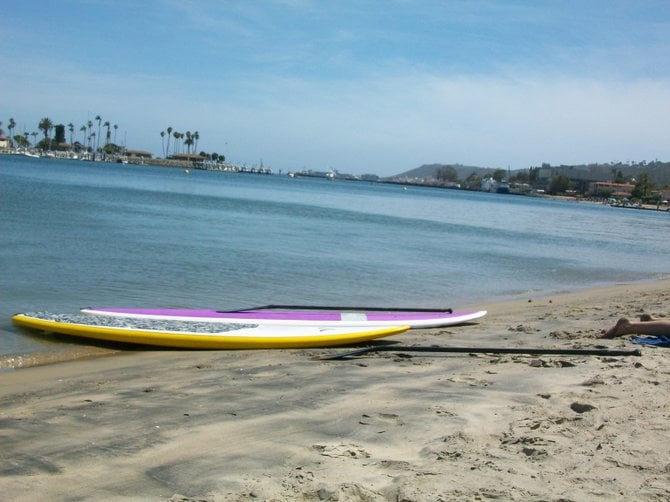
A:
[78,234]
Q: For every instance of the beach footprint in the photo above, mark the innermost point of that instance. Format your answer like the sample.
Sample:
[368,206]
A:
[380,419]
[341,451]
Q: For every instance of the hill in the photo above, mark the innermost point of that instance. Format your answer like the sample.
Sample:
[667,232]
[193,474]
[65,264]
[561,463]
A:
[658,171]
[427,171]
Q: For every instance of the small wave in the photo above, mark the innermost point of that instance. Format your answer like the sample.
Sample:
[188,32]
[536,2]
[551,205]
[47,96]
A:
[18,361]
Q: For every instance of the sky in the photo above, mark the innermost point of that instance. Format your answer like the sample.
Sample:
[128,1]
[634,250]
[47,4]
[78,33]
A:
[360,86]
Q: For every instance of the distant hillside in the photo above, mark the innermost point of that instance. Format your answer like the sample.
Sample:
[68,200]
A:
[427,171]
[659,172]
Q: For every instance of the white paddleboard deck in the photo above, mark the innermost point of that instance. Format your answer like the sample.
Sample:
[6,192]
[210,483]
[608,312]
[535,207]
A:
[414,319]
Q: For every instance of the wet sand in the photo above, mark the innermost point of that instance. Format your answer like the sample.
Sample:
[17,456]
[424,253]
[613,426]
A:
[279,425]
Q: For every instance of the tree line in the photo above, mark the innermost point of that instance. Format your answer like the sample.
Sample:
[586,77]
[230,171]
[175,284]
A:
[186,139]
[90,139]
[179,141]
[100,139]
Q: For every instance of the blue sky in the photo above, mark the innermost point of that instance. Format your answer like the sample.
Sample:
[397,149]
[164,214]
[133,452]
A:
[359,86]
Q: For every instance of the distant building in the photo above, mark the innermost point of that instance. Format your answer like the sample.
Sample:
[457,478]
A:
[59,134]
[580,179]
[613,189]
[4,142]
[138,154]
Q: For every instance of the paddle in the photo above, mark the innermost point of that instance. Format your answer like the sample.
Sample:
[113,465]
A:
[330,307]
[482,350]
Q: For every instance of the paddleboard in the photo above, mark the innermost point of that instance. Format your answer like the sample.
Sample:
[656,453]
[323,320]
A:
[302,317]
[200,335]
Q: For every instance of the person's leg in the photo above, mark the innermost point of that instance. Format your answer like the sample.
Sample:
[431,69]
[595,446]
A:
[626,327]
[619,329]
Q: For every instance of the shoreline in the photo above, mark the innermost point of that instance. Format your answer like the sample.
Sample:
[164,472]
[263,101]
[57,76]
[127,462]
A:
[279,425]
[91,349]
[84,349]
[233,168]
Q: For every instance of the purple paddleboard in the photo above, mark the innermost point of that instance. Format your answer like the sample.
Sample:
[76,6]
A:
[377,317]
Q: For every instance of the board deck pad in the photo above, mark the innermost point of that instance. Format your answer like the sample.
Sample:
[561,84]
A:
[139,323]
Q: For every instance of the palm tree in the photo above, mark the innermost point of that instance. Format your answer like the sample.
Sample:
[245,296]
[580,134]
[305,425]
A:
[34,135]
[189,141]
[70,127]
[196,136]
[176,135]
[109,133]
[46,125]
[169,133]
[115,128]
[82,129]
[163,142]
[89,124]
[11,125]
[99,119]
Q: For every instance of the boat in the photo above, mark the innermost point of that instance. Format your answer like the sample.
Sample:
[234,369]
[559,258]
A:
[503,187]
[26,153]
[303,315]
[200,335]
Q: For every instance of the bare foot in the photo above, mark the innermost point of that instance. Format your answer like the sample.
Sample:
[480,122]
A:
[619,329]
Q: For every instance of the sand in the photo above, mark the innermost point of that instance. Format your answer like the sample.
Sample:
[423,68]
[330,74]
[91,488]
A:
[279,425]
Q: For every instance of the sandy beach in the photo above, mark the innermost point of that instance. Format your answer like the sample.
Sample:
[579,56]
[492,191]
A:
[280,425]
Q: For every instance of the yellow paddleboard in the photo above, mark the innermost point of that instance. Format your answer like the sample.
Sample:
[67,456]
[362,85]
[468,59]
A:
[200,335]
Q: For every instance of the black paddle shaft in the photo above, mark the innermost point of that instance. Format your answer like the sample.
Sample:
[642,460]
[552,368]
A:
[330,307]
[486,350]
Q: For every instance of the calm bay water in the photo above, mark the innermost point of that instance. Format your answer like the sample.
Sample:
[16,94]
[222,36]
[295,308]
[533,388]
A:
[78,234]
